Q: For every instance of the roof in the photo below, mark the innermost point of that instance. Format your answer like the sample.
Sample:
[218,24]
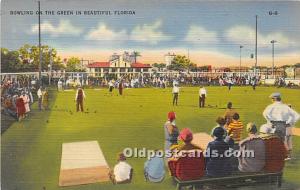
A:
[140,65]
[98,65]
[107,64]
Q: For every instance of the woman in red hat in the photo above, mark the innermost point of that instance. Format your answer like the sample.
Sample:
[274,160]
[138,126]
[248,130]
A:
[171,131]
[188,161]
[20,108]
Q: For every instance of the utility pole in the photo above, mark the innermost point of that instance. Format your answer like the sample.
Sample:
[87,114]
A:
[240,58]
[50,65]
[40,47]
[273,42]
[256,16]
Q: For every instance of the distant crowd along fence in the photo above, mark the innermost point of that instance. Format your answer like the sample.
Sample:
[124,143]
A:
[75,75]
[48,78]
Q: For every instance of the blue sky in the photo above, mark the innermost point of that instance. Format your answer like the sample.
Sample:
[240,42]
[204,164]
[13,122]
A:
[206,29]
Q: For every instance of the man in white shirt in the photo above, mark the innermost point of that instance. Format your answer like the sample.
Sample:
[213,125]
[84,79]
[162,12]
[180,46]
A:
[111,86]
[230,83]
[175,92]
[39,94]
[280,115]
[59,85]
[122,172]
[202,96]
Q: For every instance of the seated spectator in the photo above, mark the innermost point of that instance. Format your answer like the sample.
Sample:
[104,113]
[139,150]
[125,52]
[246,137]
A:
[235,128]
[221,123]
[274,148]
[9,107]
[122,172]
[229,113]
[252,143]
[186,136]
[218,164]
[188,163]
[154,169]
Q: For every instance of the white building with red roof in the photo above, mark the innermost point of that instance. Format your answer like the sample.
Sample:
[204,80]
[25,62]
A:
[118,64]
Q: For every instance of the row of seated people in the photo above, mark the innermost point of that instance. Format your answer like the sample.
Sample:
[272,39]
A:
[268,156]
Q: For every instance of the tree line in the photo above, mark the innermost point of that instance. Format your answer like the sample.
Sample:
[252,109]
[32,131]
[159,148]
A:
[26,59]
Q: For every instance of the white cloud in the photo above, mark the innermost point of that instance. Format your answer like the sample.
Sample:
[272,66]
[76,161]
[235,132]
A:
[200,35]
[64,27]
[246,35]
[102,32]
[149,33]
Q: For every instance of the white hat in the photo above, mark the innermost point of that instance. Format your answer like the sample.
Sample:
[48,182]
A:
[275,95]
[267,129]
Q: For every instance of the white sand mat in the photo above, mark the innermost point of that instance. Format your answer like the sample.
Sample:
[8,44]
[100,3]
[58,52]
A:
[201,140]
[82,163]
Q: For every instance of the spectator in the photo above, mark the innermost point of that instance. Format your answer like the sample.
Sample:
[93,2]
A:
[26,101]
[154,169]
[217,165]
[40,95]
[187,162]
[171,131]
[252,143]
[20,108]
[280,115]
[229,113]
[288,138]
[235,128]
[274,148]
[9,106]
[221,123]
[122,172]
[45,99]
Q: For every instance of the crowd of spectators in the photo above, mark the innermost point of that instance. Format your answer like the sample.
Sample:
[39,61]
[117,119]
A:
[18,95]
[228,152]
[165,80]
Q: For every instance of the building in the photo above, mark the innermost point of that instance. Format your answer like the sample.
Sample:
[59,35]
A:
[117,64]
[169,58]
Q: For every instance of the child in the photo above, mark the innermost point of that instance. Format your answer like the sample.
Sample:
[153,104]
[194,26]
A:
[122,172]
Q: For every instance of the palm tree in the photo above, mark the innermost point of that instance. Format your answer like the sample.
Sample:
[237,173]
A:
[135,55]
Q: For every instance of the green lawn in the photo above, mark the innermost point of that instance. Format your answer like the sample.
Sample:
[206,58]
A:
[31,149]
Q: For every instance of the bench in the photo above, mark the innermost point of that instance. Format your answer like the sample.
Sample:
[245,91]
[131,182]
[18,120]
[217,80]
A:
[240,178]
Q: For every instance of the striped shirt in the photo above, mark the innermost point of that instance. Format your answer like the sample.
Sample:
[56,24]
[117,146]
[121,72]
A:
[235,129]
